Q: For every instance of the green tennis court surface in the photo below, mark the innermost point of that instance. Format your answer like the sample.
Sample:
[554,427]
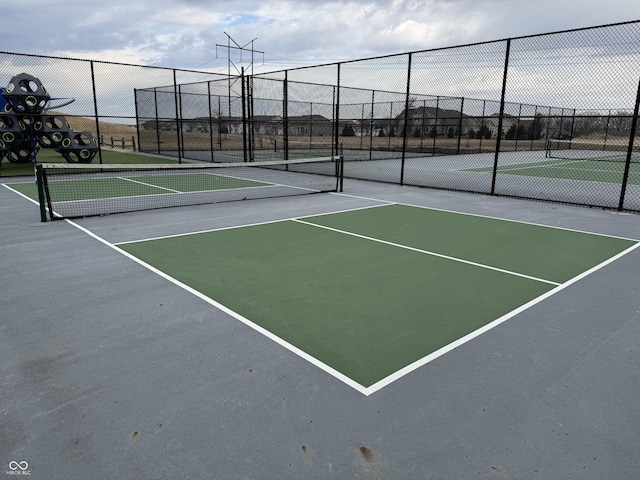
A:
[131,186]
[122,186]
[607,169]
[369,294]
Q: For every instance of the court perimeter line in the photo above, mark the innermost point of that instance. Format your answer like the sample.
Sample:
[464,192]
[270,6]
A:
[398,374]
[427,252]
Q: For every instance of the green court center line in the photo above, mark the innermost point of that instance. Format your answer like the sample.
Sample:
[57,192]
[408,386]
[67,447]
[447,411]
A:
[434,254]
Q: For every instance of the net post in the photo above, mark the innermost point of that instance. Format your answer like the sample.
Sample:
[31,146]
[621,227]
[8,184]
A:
[496,157]
[41,197]
[632,136]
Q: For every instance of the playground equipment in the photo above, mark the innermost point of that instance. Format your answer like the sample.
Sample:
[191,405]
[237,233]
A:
[25,126]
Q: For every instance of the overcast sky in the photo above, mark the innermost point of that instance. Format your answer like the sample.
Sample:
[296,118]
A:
[184,33]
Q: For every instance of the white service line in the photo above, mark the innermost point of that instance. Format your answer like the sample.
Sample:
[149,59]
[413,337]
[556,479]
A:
[149,184]
[245,225]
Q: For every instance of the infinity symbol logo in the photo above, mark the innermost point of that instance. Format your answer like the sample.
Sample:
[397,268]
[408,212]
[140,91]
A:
[13,465]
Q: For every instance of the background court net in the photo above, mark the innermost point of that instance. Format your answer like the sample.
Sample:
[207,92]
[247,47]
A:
[589,150]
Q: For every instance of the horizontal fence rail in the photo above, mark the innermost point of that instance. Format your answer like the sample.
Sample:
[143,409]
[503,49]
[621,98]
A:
[549,117]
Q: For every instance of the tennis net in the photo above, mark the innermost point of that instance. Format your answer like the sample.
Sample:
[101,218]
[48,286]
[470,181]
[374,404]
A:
[68,190]
[590,150]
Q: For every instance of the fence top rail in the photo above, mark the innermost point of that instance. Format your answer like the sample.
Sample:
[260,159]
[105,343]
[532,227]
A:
[111,62]
[463,45]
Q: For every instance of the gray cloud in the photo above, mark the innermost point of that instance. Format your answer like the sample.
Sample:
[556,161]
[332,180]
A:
[184,33]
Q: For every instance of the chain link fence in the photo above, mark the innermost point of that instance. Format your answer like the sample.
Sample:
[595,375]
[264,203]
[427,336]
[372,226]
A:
[550,117]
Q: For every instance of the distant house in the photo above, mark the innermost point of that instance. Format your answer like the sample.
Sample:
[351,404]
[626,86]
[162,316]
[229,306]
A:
[430,121]
[310,125]
[427,121]
[303,125]
[421,121]
[492,121]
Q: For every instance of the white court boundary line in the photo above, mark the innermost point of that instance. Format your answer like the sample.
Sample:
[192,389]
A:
[533,224]
[237,316]
[476,333]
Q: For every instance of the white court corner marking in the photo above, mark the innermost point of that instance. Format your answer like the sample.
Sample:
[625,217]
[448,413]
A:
[336,374]
[476,333]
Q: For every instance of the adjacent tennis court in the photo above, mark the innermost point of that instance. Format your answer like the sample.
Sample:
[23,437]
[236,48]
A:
[578,163]
[370,294]
[591,170]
